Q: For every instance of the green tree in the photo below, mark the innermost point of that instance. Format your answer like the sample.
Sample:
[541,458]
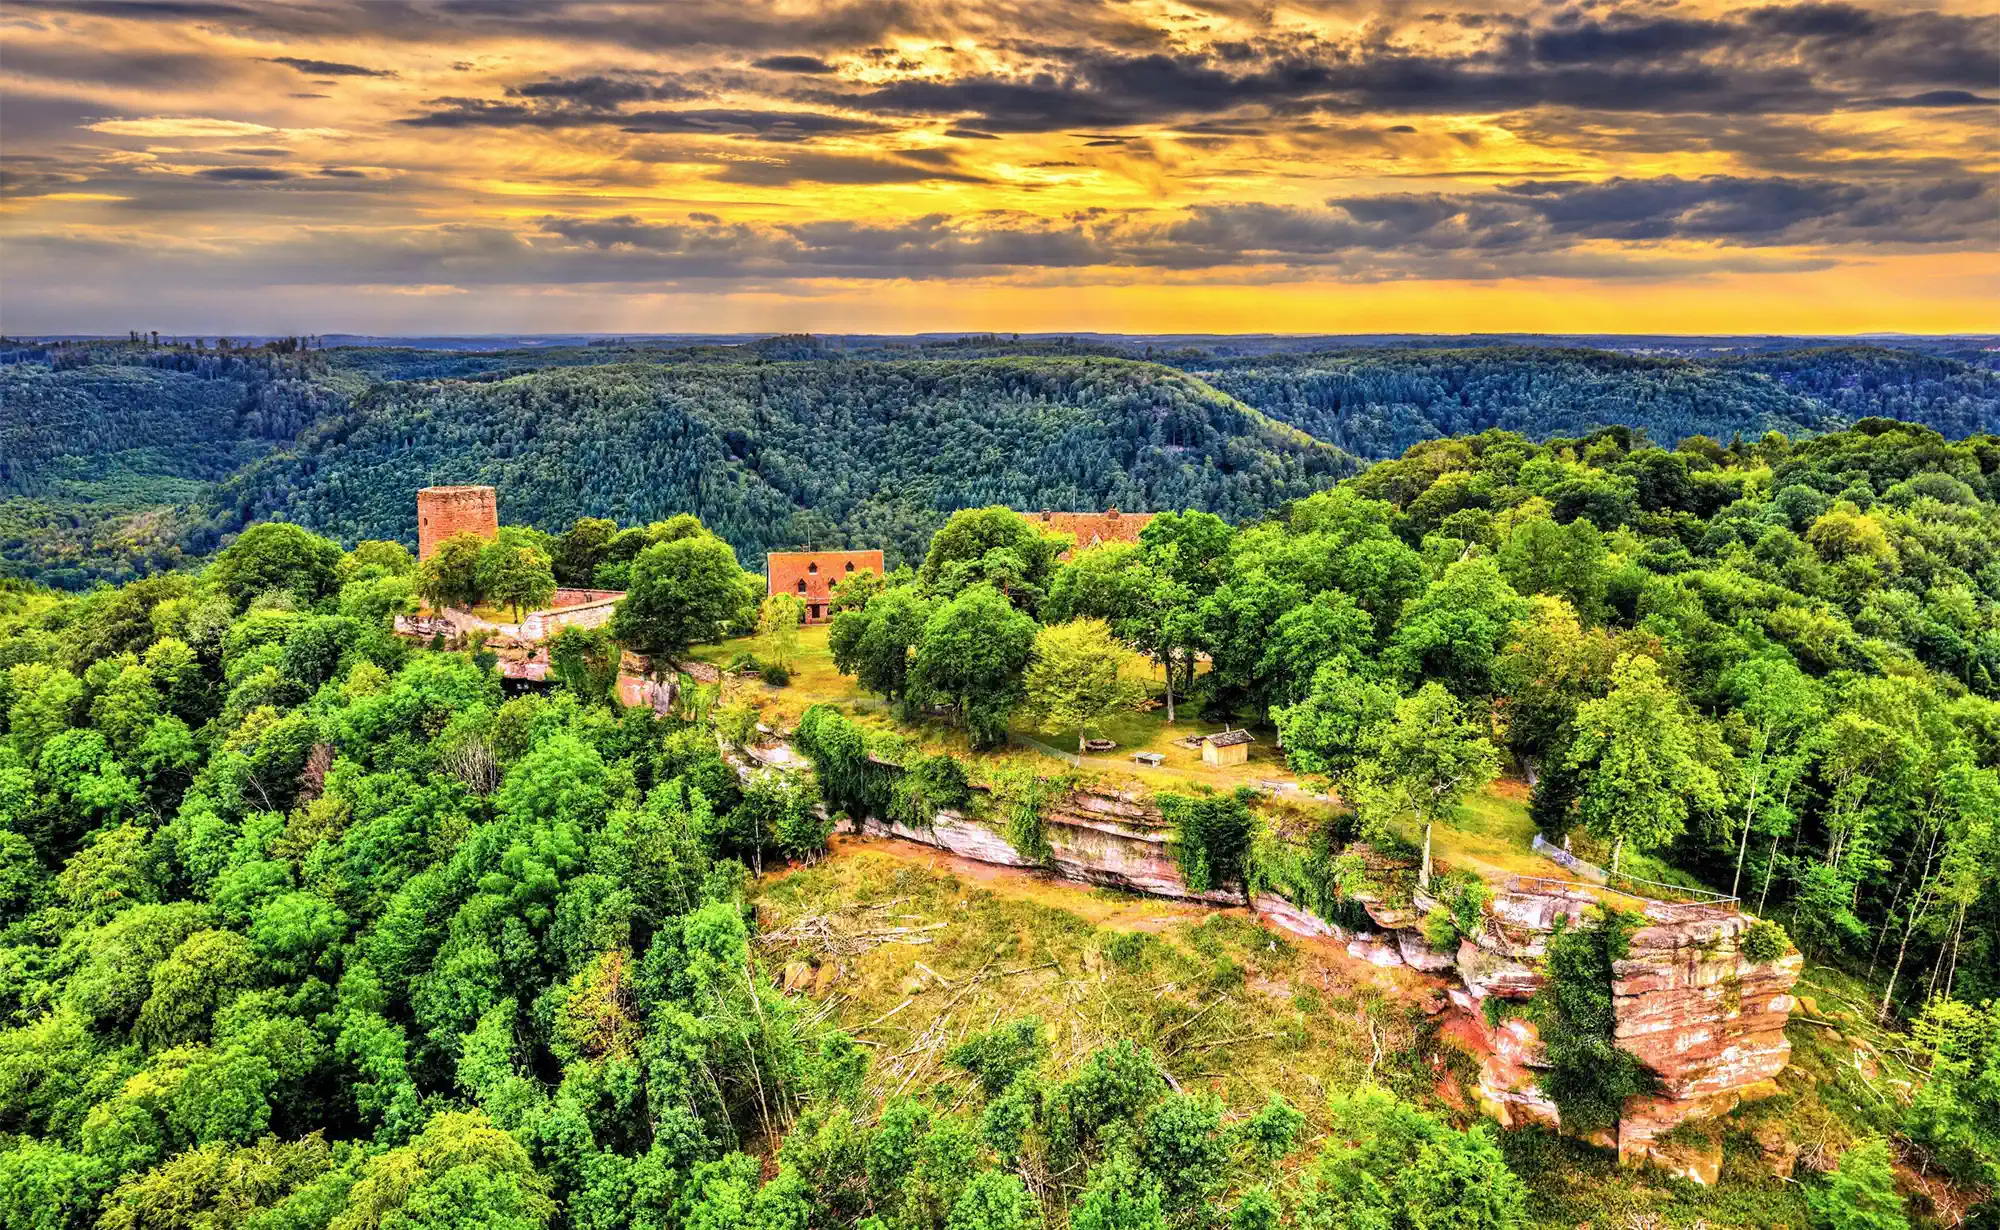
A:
[450,577]
[994,546]
[1861,1193]
[855,590]
[681,593]
[580,549]
[1119,1196]
[1111,582]
[993,1200]
[877,643]
[1638,751]
[1079,675]
[1430,757]
[974,651]
[272,555]
[1390,1166]
[1338,723]
[1777,711]
[518,576]
[1455,630]
[586,661]
[460,1171]
[778,621]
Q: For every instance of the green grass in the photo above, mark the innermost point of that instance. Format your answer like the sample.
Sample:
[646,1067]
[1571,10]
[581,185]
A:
[1229,1007]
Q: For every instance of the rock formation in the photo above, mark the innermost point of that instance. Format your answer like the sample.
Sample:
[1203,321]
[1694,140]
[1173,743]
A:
[1708,1021]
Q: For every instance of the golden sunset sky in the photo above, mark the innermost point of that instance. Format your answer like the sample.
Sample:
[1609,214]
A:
[468,166]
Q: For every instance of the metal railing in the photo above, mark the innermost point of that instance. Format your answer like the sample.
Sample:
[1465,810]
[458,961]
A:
[1702,896]
[1555,853]
[1018,739]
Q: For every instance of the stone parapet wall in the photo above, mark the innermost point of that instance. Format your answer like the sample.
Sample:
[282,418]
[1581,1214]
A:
[540,625]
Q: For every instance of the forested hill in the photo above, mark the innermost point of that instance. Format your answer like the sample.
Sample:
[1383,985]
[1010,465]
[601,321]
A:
[790,454]
[118,459]
[1376,403]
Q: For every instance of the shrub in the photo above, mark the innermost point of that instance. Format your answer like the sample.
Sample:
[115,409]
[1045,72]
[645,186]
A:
[1213,835]
[1387,1163]
[777,674]
[1861,1193]
[928,785]
[1001,1056]
[848,780]
[1765,941]
[1021,795]
[1589,1075]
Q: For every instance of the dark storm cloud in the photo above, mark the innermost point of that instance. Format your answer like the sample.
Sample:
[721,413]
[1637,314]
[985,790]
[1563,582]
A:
[97,66]
[1523,229]
[1549,217]
[763,125]
[842,169]
[1799,59]
[676,27]
[245,174]
[710,121]
[793,64]
[329,68]
[601,92]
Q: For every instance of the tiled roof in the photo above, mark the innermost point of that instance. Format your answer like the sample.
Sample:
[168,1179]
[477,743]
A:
[1230,738]
[1091,529]
[820,570]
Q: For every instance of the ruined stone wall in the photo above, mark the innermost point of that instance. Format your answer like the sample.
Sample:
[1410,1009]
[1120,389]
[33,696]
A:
[540,625]
[445,511]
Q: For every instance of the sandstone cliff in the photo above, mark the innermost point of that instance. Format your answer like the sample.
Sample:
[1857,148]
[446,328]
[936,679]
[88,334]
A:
[1707,1020]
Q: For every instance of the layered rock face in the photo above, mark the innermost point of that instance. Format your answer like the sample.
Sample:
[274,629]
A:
[1710,1022]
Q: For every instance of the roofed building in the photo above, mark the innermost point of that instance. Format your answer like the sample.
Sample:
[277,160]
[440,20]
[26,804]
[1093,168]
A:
[1091,529]
[810,576]
[1226,747]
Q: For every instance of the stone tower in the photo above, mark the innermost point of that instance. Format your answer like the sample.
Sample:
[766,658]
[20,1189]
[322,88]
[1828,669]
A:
[444,511]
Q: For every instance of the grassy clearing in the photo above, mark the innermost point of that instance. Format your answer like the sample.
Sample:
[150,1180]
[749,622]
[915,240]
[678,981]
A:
[1490,835]
[1228,1006]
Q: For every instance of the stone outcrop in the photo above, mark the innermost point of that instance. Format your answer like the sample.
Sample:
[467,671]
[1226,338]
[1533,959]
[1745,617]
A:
[1706,1019]
[1709,1021]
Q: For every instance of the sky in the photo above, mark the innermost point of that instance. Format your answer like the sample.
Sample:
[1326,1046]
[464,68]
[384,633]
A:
[480,166]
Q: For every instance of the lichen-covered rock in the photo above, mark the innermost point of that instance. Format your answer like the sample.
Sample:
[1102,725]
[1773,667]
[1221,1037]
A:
[1697,1012]
[1392,917]
[1374,950]
[1511,1094]
[1520,1043]
[1777,1152]
[1488,973]
[1709,1022]
[1296,919]
[1418,954]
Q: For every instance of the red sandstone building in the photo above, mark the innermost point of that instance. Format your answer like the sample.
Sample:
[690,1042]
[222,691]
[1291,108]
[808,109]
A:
[1091,529]
[810,576]
[444,511]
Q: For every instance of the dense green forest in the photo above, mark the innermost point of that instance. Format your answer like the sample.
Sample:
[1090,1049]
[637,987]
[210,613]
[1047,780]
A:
[778,455]
[305,926]
[117,459]
[1376,403]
